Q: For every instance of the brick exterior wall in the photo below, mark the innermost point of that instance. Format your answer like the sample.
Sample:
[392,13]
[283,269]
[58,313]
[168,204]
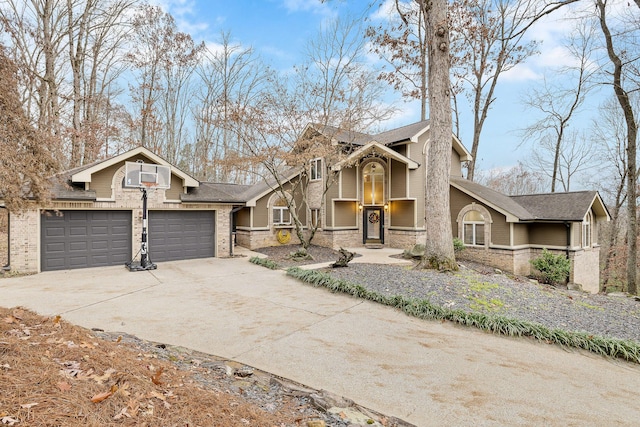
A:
[24,250]
[585,264]
[403,239]
[24,241]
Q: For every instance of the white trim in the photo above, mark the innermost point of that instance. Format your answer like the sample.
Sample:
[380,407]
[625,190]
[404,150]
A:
[318,169]
[456,144]
[252,202]
[340,228]
[372,147]
[404,228]
[85,175]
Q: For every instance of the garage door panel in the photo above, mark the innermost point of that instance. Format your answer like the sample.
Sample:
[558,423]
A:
[175,235]
[81,239]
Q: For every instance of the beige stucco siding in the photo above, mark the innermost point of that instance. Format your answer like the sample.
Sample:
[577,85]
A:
[520,234]
[346,214]
[261,212]
[243,217]
[553,234]
[398,180]
[102,181]
[456,166]
[332,194]
[173,193]
[349,183]
[402,213]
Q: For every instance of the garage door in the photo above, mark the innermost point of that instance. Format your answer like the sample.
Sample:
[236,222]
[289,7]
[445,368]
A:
[81,239]
[175,235]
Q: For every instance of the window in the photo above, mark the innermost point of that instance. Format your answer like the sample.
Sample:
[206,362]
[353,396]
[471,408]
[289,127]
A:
[586,231]
[473,229]
[316,169]
[281,214]
[373,178]
[315,218]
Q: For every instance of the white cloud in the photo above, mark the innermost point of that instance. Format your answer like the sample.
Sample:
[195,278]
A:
[520,73]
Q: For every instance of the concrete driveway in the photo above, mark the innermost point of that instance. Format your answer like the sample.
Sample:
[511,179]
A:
[427,373]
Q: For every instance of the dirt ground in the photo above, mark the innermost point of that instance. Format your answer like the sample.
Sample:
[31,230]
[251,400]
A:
[54,373]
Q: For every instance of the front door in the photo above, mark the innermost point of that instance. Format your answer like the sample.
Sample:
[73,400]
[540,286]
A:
[373,225]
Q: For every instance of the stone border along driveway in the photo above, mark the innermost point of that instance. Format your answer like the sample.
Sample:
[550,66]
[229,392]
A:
[426,373]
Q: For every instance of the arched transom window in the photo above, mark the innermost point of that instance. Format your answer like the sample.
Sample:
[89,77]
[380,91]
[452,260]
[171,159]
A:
[373,178]
[473,228]
[281,214]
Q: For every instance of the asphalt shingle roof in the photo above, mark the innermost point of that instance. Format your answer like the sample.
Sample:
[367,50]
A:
[401,134]
[571,206]
[216,192]
[495,198]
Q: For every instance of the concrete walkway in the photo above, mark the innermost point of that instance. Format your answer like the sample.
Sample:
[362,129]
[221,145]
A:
[427,373]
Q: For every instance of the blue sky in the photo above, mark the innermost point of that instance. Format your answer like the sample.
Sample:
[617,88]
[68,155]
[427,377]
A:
[279,29]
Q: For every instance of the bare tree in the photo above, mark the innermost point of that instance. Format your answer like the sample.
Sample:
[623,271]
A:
[559,103]
[333,91]
[403,46]
[610,139]
[488,41]
[164,59]
[514,181]
[619,58]
[232,77]
[574,157]
[439,252]
[27,155]
[37,30]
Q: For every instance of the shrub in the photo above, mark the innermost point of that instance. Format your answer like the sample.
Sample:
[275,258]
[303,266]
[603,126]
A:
[554,269]
[458,245]
[264,262]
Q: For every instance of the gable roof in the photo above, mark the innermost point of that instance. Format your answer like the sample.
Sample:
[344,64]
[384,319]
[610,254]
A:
[338,135]
[266,186]
[373,147]
[83,173]
[570,206]
[403,134]
[498,201]
[214,192]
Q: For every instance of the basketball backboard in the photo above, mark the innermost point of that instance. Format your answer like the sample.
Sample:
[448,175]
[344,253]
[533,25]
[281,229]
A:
[146,175]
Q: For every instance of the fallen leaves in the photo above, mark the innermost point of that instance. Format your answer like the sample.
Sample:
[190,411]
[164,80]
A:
[155,378]
[51,370]
[105,395]
[64,386]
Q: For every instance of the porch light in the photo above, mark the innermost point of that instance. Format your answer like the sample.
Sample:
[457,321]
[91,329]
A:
[359,206]
[386,206]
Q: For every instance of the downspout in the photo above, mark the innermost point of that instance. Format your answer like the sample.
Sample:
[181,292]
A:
[8,266]
[231,228]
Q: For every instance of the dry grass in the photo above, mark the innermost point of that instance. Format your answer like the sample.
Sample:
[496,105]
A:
[53,373]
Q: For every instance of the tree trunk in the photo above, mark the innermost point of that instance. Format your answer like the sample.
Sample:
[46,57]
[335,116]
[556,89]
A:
[632,133]
[439,252]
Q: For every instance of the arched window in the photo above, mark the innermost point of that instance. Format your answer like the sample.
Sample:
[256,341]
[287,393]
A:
[281,214]
[373,189]
[587,230]
[473,228]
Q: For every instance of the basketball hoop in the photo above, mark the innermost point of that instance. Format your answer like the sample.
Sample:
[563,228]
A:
[148,185]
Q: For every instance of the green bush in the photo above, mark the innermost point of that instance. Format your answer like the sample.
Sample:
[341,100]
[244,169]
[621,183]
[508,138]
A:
[458,245]
[553,269]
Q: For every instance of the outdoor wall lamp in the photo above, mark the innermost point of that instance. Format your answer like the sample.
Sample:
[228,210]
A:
[359,206]
[386,206]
